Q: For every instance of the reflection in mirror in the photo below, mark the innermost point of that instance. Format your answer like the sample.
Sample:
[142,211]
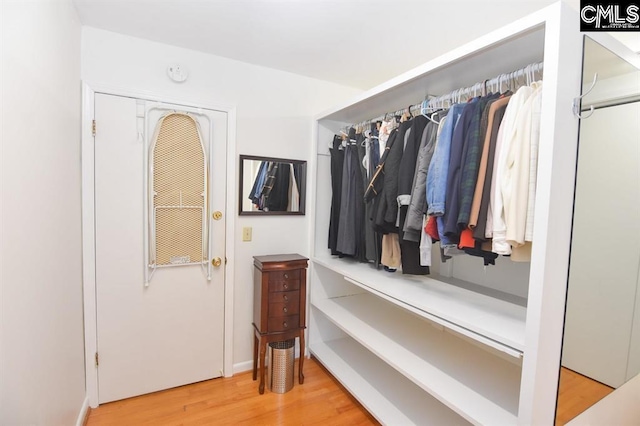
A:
[601,347]
[272,186]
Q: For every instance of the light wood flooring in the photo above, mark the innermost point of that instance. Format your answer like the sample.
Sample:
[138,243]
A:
[235,401]
[320,401]
[576,394]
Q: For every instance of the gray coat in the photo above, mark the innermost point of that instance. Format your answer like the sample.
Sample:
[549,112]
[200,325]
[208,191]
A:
[418,204]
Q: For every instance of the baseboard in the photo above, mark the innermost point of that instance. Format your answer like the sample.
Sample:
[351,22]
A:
[83,416]
[241,367]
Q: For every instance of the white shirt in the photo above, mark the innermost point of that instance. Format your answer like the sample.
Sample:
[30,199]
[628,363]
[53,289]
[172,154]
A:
[516,175]
[503,190]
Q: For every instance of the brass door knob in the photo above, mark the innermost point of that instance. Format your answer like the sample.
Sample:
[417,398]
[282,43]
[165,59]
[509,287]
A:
[217,215]
[216,261]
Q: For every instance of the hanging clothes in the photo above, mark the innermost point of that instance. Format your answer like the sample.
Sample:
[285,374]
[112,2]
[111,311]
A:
[425,244]
[483,229]
[337,163]
[518,173]
[390,251]
[392,173]
[375,150]
[467,179]
[472,151]
[258,184]
[294,193]
[374,161]
[439,170]
[406,175]
[452,199]
[536,111]
[351,220]
[376,184]
[418,202]
[276,188]
[503,191]
[365,242]
[386,169]
[409,250]
[477,220]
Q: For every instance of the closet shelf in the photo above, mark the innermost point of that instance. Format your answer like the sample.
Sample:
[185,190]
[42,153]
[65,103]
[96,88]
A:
[388,396]
[477,385]
[496,323]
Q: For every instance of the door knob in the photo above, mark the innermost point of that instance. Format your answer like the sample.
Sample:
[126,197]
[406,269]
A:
[216,261]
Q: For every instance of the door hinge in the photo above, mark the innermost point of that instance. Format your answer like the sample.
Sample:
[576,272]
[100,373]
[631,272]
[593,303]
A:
[97,360]
[93,127]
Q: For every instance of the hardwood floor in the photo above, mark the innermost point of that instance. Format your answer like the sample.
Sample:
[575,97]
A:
[235,401]
[320,401]
[576,394]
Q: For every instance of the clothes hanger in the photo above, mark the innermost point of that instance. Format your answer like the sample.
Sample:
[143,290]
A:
[430,117]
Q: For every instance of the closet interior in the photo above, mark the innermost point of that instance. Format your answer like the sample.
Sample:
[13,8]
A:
[459,345]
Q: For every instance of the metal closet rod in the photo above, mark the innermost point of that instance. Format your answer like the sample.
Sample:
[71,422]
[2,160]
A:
[511,79]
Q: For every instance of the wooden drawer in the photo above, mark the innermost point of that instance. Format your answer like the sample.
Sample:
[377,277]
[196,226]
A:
[282,309]
[283,323]
[278,286]
[284,296]
[276,276]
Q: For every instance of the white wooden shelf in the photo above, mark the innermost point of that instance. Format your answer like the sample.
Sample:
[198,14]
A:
[491,321]
[477,385]
[388,396]
[485,323]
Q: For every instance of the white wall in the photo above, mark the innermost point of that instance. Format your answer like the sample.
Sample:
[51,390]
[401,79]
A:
[274,118]
[42,353]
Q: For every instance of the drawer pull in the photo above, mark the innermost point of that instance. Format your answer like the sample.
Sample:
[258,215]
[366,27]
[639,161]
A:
[286,276]
[285,286]
[285,310]
[286,298]
[285,325]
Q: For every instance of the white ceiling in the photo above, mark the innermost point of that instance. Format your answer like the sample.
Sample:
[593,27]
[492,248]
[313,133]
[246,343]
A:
[358,43]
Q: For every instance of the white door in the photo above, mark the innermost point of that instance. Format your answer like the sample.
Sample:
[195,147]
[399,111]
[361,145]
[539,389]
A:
[168,333]
[605,248]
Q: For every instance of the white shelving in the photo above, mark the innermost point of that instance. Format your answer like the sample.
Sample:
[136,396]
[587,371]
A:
[477,385]
[491,321]
[401,343]
[390,398]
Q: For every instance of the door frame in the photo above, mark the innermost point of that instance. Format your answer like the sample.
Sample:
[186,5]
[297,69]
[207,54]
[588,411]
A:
[89,91]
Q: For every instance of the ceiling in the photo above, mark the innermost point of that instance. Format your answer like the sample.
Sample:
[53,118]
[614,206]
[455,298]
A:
[357,43]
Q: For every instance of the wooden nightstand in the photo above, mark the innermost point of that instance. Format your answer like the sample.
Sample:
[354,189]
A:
[279,301]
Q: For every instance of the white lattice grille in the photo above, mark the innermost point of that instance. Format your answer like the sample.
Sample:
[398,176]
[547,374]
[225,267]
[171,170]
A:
[179,192]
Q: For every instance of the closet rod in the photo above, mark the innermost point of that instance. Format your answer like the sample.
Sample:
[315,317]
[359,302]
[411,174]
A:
[458,95]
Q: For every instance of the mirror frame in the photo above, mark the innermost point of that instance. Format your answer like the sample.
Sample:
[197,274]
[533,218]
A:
[302,186]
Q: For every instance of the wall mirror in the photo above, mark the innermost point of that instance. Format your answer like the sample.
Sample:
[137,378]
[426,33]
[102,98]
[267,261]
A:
[272,186]
[601,344]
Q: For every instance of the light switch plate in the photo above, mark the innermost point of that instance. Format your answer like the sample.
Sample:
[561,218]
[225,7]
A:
[246,233]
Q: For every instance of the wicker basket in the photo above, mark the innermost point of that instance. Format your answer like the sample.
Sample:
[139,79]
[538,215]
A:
[281,366]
